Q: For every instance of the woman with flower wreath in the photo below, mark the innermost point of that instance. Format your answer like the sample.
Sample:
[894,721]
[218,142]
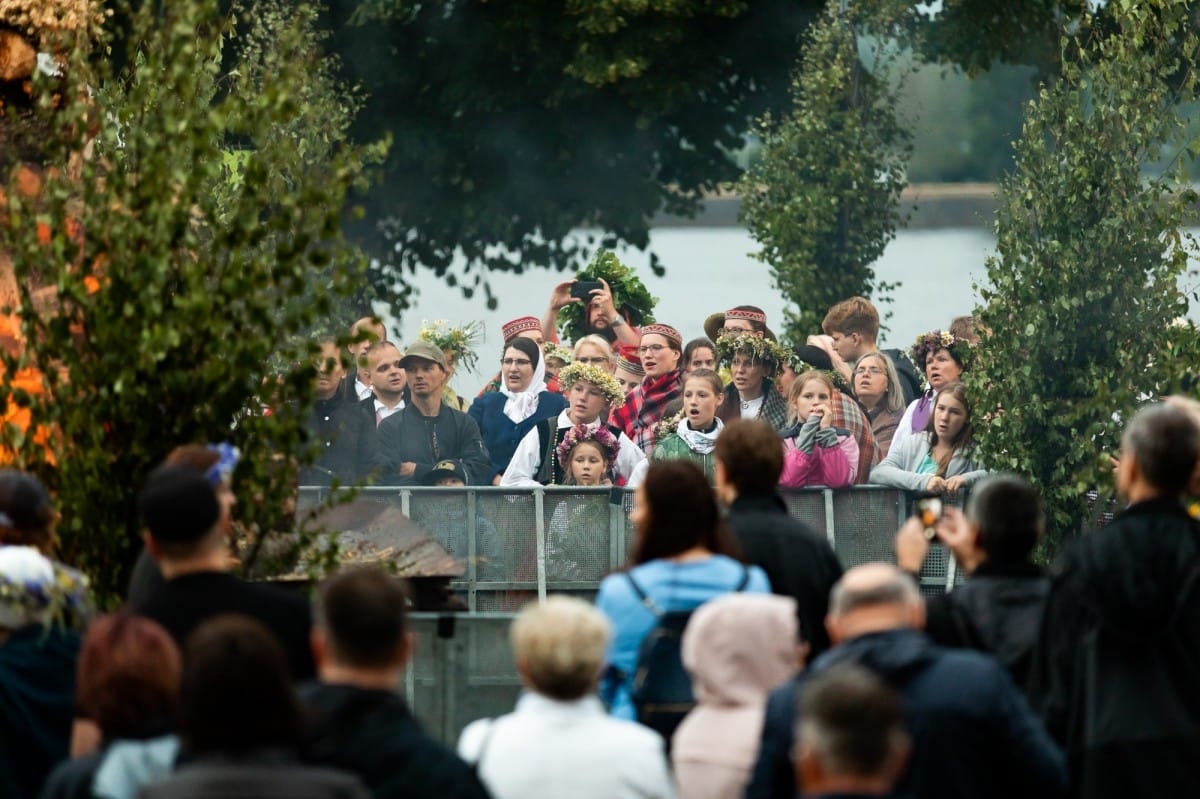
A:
[942,357]
[753,359]
[458,345]
[506,416]
[41,607]
[578,534]
[590,393]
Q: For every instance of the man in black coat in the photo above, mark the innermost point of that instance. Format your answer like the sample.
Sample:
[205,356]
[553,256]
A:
[186,537]
[358,723]
[973,735]
[427,431]
[1116,673]
[798,561]
[342,429]
[999,609]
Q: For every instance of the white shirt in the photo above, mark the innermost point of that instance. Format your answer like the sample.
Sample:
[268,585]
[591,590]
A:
[750,408]
[527,458]
[361,390]
[382,411]
[552,749]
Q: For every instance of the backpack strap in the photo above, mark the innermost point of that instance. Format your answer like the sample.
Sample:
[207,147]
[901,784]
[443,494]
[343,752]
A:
[644,598]
[745,579]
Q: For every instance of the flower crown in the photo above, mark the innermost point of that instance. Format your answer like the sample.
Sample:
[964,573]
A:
[590,373]
[564,354]
[759,348]
[62,598]
[629,294]
[458,341]
[930,342]
[580,433]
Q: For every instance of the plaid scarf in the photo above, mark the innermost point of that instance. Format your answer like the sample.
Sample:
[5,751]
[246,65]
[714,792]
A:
[848,415]
[644,406]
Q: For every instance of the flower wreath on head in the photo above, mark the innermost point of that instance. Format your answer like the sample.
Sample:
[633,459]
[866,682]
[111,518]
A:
[57,598]
[564,354]
[460,342]
[590,373]
[760,349]
[928,343]
[580,433]
[630,296]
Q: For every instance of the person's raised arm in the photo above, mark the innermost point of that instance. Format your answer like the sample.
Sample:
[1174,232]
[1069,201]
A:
[559,299]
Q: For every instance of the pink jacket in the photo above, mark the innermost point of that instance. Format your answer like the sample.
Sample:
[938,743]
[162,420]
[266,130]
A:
[824,466]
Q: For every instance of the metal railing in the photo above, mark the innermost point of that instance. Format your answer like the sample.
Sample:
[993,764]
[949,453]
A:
[523,544]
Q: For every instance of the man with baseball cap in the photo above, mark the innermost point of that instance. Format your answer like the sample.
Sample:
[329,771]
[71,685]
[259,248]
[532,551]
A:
[185,534]
[426,431]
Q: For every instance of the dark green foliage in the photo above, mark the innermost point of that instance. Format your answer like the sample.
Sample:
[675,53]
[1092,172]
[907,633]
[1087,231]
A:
[209,206]
[823,201]
[1083,291]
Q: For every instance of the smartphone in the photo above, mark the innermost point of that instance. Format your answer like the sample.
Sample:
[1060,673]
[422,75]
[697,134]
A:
[582,289]
[929,511]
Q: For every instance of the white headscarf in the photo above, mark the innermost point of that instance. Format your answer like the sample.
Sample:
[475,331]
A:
[522,404]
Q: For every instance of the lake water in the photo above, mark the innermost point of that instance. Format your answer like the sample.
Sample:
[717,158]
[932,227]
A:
[711,269]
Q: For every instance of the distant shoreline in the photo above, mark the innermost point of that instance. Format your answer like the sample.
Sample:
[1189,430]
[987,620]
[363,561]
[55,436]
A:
[937,205]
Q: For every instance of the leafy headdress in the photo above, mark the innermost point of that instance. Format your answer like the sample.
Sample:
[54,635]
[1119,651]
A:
[630,296]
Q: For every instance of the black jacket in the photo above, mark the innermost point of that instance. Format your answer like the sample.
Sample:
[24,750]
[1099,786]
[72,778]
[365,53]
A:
[1116,672]
[910,376]
[973,734]
[798,561]
[183,603]
[411,436]
[373,734]
[998,611]
[344,432]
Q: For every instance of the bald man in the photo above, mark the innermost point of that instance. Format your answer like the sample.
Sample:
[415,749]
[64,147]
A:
[973,734]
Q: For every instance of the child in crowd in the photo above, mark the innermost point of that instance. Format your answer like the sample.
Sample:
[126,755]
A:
[578,544]
[819,453]
[692,434]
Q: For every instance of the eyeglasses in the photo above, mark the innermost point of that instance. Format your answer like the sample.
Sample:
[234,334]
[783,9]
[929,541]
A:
[647,349]
[599,359]
[516,362]
[873,371]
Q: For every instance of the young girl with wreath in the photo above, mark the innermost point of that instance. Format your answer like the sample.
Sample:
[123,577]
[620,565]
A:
[577,546]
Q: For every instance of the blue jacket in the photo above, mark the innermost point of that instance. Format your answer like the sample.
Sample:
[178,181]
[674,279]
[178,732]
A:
[501,434]
[973,733]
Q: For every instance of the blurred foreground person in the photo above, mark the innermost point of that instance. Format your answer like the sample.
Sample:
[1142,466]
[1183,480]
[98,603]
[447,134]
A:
[973,733]
[999,609]
[559,742]
[240,723]
[850,736]
[737,648]
[185,533]
[358,721]
[128,686]
[1116,673]
[38,649]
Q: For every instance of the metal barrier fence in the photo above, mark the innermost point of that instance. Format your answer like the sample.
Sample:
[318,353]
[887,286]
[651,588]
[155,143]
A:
[521,545]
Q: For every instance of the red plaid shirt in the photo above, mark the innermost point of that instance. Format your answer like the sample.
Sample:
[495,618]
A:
[644,407]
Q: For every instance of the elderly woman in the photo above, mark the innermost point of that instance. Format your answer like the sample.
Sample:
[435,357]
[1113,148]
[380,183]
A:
[942,357]
[753,360]
[941,458]
[506,416]
[661,352]
[590,392]
[877,386]
[682,556]
[559,742]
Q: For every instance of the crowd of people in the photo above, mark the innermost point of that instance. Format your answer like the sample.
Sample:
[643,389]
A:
[733,655]
[845,411]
